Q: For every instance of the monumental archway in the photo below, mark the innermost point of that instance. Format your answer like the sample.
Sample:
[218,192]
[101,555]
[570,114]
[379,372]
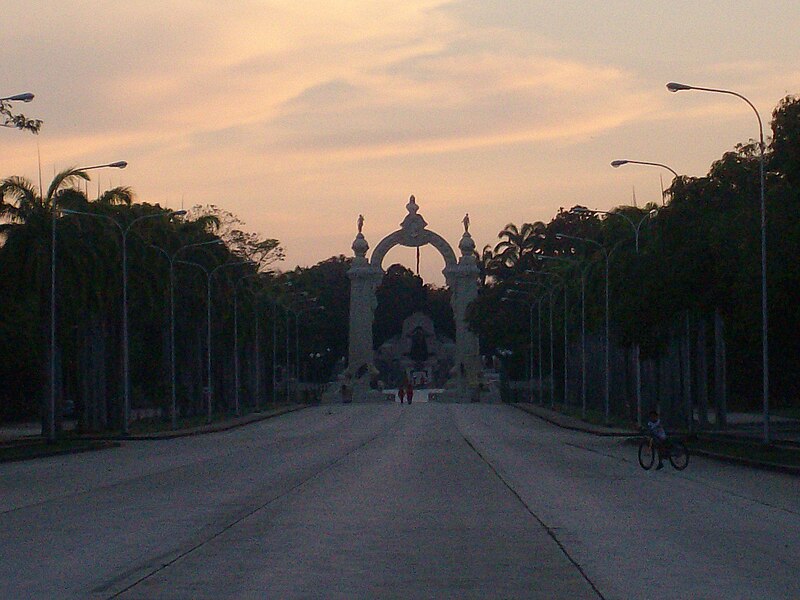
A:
[365,275]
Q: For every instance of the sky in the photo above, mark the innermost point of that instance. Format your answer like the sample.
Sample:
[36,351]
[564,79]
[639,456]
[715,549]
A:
[298,116]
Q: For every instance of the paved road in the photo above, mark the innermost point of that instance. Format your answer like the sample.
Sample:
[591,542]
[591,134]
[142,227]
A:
[365,501]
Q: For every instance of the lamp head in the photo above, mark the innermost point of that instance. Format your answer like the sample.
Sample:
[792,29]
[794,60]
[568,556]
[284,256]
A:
[582,210]
[120,164]
[677,87]
[559,236]
[618,163]
[178,213]
[26,97]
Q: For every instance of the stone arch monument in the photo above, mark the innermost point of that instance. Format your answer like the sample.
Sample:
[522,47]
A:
[365,275]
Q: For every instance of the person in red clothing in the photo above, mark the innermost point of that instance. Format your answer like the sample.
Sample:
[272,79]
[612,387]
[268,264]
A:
[409,392]
[401,392]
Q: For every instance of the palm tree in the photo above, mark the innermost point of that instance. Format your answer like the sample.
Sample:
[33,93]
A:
[516,244]
[26,221]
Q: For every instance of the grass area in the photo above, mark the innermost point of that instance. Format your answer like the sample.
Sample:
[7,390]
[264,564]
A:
[593,416]
[791,412]
[752,451]
[42,448]
[728,447]
[156,425]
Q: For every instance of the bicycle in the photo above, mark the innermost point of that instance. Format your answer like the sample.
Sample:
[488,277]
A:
[675,450]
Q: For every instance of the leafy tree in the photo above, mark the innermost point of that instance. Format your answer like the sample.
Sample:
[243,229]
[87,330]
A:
[19,121]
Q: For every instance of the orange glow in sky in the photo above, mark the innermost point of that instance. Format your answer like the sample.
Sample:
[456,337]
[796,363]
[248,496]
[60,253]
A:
[299,116]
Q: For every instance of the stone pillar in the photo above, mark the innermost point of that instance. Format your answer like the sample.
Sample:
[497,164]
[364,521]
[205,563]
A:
[364,280]
[463,281]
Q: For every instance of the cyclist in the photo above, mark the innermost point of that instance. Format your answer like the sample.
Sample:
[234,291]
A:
[656,431]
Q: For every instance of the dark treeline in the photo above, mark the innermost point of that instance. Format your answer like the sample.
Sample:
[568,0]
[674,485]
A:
[89,292]
[699,256]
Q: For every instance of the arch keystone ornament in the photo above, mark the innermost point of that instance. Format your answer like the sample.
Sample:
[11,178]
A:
[365,275]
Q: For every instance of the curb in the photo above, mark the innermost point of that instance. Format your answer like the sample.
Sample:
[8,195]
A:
[747,462]
[580,428]
[738,460]
[91,447]
[203,429]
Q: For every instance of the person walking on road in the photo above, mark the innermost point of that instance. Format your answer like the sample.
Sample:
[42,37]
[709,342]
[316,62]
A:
[409,392]
[401,392]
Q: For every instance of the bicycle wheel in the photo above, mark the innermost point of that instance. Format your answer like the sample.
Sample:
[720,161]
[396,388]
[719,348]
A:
[679,455]
[647,455]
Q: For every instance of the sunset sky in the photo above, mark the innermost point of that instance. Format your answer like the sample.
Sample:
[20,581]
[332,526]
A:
[297,116]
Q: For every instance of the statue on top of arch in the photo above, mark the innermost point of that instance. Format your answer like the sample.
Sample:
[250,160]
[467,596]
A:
[413,224]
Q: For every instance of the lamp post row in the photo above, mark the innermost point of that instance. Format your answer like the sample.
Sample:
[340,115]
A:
[51,406]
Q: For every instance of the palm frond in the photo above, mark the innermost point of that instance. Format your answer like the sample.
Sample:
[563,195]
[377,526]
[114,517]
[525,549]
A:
[118,195]
[64,178]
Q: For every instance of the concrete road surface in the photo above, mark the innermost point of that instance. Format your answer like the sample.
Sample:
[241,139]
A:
[389,500]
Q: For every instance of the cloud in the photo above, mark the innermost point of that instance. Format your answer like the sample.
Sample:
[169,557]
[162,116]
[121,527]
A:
[507,109]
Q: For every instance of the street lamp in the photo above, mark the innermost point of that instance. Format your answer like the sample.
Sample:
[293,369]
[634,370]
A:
[618,163]
[26,97]
[297,314]
[636,351]
[561,236]
[539,329]
[121,164]
[677,87]
[551,292]
[530,305]
[236,344]
[583,329]
[209,274]
[125,342]
[171,258]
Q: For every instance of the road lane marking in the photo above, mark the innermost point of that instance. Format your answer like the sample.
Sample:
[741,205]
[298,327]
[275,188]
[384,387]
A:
[223,529]
[550,531]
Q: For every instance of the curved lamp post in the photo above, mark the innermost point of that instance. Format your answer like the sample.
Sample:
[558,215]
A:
[209,274]
[678,87]
[583,327]
[125,342]
[171,258]
[297,314]
[606,403]
[529,305]
[618,163]
[537,285]
[120,164]
[237,408]
[636,228]
[551,291]
[538,303]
